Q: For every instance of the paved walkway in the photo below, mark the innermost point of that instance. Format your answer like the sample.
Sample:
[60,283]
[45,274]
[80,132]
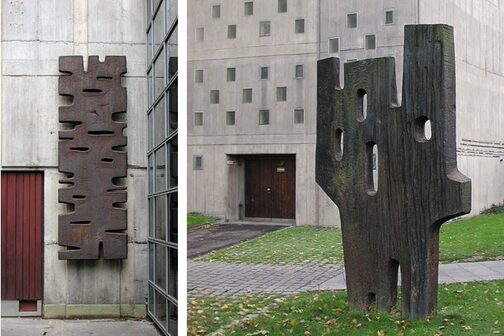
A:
[212,278]
[41,327]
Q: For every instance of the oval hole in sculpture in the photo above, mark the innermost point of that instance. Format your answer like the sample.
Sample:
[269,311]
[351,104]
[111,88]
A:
[423,129]
[361,105]
[339,144]
[372,167]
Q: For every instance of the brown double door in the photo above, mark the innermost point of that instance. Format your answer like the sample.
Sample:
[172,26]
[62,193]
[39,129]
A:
[22,211]
[270,187]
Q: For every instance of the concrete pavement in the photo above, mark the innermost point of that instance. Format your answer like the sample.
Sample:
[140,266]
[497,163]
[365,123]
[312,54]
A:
[213,278]
[42,327]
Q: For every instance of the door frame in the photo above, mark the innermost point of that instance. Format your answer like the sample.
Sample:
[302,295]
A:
[281,156]
[10,308]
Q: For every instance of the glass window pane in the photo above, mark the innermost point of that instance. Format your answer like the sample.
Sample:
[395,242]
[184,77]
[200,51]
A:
[151,218]
[370,42]
[172,54]
[389,17]
[264,117]
[173,107]
[159,28]
[160,157]
[159,122]
[173,206]
[151,173]
[216,11]
[172,273]
[231,31]
[264,28]
[171,12]
[282,93]
[150,88]
[160,271]
[159,72]
[173,318]
[282,6]
[198,76]
[173,145]
[247,95]
[249,8]
[151,299]
[160,223]
[299,26]
[264,72]
[334,45]
[230,118]
[298,116]
[214,96]
[149,45]
[352,20]
[231,74]
[149,129]
[161,308]
[299,71]
[151,260]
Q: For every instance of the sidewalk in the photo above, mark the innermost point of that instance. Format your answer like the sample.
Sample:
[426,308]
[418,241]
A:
[42,327]
[212,278]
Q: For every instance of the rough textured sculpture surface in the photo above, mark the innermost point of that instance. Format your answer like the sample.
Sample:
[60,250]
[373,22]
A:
[395,220]
[92,156]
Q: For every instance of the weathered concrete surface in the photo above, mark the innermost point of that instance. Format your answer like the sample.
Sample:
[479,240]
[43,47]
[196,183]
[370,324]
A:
[204,239]
[39,327]
[34,34]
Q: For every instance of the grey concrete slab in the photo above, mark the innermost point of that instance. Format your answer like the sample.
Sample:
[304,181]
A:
[44,327]
[204,239]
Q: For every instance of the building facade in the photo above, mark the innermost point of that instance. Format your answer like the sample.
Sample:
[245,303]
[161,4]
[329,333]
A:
[253,157]
[34,35]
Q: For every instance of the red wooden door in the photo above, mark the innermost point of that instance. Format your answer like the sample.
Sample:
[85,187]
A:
[270,187]
[22,198]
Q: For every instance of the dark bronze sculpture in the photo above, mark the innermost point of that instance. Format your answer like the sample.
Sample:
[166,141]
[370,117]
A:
[419,185]
[92,156]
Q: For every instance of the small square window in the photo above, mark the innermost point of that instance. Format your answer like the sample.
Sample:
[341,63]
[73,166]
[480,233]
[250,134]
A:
[281,93]
[389,17]
[231,74]
[247,96]
[334,45]
[198,118]
[216,11]
[370,42]
[299,26]
[299,71]
[263,117]
[214,96]
[230,118]
[282,6]
[264,72]
[249,8]
[200,34]
[299,116]
[197,162]
[352,20]
[265,28]
[231,32]
[198,76]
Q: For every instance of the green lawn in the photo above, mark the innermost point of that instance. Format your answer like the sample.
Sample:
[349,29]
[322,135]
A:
[477,238]
[195,219]
[463,309]
[294,244]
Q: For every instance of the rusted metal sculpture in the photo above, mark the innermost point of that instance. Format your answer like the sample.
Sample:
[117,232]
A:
[93,157]
[419,185]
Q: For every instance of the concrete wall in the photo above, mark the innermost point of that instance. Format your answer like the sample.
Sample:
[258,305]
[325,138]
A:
[218,188]
[34,34]
[479,50]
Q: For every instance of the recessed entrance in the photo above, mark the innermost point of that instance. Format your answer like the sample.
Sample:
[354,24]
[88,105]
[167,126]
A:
[270,187]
